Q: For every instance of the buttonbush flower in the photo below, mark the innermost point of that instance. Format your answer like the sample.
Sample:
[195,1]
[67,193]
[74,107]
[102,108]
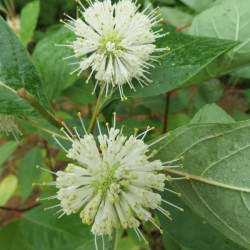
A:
[8,125]
[112,182]
[116,42]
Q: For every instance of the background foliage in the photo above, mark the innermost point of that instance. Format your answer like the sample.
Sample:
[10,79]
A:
[200,93]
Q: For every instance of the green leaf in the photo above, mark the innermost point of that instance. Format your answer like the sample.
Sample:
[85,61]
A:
[175,17]
[190,231]
[29,17]
[198,5]
[226,20]
[239,115]
[48,58]
[210,91]
[28,173]
[11,237]
[247,95]
[243,72]
[7,187]
[217,160]
[188,56]
[178,120]
[211,113]
[44,232]
[6,150]
[127,243]
[80,93]
[17,71]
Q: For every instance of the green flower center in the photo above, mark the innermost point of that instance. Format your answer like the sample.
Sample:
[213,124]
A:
[110,43]
[106,180]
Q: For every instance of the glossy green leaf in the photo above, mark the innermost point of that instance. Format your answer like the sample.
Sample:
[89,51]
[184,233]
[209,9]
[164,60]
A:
[175,17]
[243,72]
[17,71]
[188,56]
[226,20]
[80,93]
[239,115]
[211,113]
[178,120]
[190,231]
[7,187]
[29,16]
[217,160]
[48,58]
[27,171]
[127,243]
[11,237]
[6,150]
[41,230]
[198,5]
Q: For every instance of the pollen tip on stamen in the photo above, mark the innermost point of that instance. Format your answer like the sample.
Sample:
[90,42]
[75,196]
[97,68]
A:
[93,93]
[33,184]
[146,243]
[155,151]
[181,166]
[87,82]
[179,194]
[161,231]
[38,167]
[79,114]
[181,209]
[169,178]
[187,178]
[44,183]
[61,21]
[181,158]
[53,135]
[37,199]
[168,134]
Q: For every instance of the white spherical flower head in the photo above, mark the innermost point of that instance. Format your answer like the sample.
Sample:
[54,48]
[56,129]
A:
[116,42]
[114,181]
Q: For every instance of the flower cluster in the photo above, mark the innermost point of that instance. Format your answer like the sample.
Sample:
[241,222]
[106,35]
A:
[116,42]
[114,181]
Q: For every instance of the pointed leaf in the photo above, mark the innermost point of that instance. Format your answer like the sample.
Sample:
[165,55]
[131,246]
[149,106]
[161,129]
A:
[17,71]
[217,160]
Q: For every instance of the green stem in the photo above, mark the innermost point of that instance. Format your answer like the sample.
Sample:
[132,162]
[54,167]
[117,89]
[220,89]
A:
[24,94]
[116,239]
[96,110]
[7,5]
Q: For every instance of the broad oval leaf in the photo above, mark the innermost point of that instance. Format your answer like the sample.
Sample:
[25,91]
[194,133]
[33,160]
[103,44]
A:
[217,160]
[190,231]
[226,20]
[48,58]
[27,172]
[7,187]
[17,71]
[188,56]
[41,230]
[29,17]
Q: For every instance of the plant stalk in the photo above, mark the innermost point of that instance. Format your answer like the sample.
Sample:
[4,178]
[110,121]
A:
[24,94]
[96,110]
